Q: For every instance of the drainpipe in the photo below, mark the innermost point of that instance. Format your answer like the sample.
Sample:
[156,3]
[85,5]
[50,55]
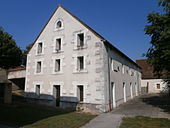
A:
[110,104]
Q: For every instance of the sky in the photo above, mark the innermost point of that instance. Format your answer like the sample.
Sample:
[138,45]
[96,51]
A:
[121,22]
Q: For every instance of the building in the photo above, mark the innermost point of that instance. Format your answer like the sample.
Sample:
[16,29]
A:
[150,83]
[5,87]
[71,65]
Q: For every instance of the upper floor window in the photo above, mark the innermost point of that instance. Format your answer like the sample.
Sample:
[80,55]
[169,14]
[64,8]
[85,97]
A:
[40,46]
[38,70]
[80,63]
[123,69]
[57,65]
[80,40]
[59,25]
[58,45]
[112,65]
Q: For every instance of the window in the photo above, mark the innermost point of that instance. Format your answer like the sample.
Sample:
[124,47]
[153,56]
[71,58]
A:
[80,40]
[158,86]
[38,67]
[112,64]
[39,51]
[57,65]
[58,45]
[59,24]
[127,71]
[123,69]
[80,63]
[80,92]
[37,90]
[118,68]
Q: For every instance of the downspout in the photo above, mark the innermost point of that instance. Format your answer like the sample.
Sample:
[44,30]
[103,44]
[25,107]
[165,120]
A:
[108,63]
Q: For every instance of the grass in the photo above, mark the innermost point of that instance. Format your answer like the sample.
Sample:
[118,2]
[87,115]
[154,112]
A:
[145,122]
[41,117]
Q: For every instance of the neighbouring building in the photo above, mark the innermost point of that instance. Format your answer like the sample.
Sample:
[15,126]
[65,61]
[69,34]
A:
[5,87]
[150,83]
[70,65]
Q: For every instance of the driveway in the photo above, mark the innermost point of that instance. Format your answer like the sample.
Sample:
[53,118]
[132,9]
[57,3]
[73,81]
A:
[140,106]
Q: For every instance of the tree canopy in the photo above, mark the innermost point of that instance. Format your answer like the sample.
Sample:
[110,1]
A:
[10,53]
[159,30]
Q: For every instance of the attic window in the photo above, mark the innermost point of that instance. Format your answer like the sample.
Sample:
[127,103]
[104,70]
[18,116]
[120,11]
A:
[59,24]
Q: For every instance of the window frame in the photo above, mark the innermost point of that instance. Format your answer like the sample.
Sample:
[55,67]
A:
[56,24]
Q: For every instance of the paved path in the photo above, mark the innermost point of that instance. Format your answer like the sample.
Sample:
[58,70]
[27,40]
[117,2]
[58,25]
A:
[132,108]
[106,120]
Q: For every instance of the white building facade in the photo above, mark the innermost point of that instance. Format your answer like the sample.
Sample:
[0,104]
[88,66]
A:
[71,65]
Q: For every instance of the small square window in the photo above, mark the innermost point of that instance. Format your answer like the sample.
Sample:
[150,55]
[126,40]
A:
[158,86]
[80,40]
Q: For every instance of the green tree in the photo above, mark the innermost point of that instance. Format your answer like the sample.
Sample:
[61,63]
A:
[159,30]
[25,52]
[10,53]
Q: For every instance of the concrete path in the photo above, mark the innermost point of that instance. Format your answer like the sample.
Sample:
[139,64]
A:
[106,120]
[135,107]
[138,107]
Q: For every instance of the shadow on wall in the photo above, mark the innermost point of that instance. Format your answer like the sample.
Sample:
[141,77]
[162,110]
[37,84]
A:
[160,101]
[25,111]
[18,84]
[48,100]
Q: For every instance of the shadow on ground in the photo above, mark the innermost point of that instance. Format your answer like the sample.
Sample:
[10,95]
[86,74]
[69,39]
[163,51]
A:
[21,113]
[162,102]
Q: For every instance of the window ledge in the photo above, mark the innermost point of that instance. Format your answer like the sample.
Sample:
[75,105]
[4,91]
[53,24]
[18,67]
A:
[80,48]
[39,54]
[58,29]
[39,73]
[81,71]
[58,52]
[57,73]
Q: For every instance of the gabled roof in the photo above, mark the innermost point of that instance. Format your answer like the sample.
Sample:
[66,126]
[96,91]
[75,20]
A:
[93,31]
[148,70]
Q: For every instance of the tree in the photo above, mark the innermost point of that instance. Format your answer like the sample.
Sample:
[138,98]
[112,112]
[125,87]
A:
[159,30]
[25,52]
[10,53]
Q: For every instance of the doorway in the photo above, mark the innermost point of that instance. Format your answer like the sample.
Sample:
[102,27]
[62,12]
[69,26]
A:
[113,94]
[56,94]
[124,92]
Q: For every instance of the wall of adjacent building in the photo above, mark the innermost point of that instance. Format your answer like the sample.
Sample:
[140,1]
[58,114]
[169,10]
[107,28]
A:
[152,85]
[116,63]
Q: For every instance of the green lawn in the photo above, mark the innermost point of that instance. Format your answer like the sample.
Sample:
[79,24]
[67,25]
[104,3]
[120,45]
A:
[41,117]
[145,122]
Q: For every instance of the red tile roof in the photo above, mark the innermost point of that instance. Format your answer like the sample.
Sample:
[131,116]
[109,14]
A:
[147,69]
[17,68]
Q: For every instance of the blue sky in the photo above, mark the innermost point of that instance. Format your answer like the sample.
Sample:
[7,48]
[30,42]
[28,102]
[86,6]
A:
[120,22]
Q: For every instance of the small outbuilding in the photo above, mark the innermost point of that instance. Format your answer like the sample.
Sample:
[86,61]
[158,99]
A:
[5,87]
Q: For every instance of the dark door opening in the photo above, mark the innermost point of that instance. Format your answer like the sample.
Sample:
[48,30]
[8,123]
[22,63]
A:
[56,93]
